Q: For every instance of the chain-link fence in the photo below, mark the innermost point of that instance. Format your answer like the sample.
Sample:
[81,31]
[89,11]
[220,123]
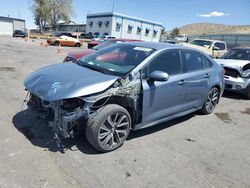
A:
[232,40]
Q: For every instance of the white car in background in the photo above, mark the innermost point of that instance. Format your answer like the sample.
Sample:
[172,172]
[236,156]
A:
[213,48]
[237,70]
[181,38]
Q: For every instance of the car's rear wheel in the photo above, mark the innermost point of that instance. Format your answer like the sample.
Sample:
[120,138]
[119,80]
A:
[77,45]
[57,43]
[248,92]
[109,128]
[211,101]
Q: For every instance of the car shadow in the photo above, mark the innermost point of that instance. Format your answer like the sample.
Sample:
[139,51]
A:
[39,134]
[234,95]
[159,127]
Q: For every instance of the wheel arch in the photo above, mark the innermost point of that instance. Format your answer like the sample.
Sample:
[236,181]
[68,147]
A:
[126,102]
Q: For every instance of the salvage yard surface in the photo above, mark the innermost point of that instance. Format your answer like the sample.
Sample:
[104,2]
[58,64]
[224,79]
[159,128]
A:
[192,151]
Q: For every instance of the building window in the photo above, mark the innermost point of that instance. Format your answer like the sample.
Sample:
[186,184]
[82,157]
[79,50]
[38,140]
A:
[138,32]
[106,23]
[90,24]
[130,28]
[147,31]
[118,27]
[155,33]
[99,23]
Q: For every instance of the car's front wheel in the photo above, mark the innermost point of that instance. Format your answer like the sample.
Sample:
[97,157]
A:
[77,45]
[109,128]
[211,101]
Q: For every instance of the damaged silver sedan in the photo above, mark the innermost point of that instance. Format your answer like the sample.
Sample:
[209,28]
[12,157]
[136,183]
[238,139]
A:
[122,87]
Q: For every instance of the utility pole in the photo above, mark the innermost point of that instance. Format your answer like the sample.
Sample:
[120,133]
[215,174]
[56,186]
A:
[113,5]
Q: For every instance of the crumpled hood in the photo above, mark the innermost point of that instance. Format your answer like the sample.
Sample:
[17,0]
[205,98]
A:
[232,63]
[66,80]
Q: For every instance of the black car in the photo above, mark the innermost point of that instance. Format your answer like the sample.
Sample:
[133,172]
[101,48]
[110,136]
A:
[19,33]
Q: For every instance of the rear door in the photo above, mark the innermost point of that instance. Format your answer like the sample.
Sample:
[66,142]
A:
[195,80]
[163,99]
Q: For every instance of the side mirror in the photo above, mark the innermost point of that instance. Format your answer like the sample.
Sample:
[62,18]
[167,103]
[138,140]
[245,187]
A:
[159,76]
[215,48]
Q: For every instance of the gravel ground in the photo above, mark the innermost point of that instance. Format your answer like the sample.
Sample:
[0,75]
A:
[192,151]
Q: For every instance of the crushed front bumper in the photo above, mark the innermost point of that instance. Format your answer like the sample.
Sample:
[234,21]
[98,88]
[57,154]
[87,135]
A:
[238,84]
[63,120]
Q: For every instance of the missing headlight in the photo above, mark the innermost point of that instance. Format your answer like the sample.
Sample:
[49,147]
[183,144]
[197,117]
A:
[71,104]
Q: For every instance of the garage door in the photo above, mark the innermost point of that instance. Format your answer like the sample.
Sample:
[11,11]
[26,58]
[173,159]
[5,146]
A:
[6,28]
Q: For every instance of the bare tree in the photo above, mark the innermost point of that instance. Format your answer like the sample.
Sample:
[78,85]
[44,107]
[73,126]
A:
[41,13]
[51,11]
[60,10]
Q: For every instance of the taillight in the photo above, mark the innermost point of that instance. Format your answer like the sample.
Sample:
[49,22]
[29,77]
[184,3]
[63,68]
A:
[223,71]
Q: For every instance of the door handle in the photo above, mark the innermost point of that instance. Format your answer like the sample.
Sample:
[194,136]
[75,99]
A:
[182,82]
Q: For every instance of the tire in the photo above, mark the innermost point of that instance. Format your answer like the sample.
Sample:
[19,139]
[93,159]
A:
[211,101]
[56,43]
[109,128]
[77,45]
[248,93]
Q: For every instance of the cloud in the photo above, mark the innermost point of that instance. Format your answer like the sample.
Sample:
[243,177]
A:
[213,14]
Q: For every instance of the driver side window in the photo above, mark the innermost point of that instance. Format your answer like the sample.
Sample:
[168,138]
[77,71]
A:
[168,61]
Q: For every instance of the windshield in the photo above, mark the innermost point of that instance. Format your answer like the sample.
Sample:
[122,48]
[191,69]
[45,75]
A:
[104,44]
[240,54]
[118,59]
[201,43]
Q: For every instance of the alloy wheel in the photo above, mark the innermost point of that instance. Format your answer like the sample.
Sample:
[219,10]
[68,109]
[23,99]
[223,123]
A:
[114,130]
[212,99]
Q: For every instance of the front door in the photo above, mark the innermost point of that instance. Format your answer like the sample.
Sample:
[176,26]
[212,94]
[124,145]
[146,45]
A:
[163,98]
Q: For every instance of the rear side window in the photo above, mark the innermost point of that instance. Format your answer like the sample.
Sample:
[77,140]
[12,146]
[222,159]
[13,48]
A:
[220,45]
[205,62]
[192,60]
[168,61]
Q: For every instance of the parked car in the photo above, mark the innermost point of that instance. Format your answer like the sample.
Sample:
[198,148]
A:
[86,36]
[170,41]
[65,41]
[237,70]
[98,40]
[122,87]
[19,33]
[57,34]
[181,38]
[95,42]
[213,48]
[73,56]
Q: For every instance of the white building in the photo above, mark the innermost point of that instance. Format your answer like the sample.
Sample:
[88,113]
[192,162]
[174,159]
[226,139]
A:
[8,25]
[123,26]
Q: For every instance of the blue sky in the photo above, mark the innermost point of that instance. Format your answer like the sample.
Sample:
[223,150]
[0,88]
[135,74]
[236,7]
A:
[171,13]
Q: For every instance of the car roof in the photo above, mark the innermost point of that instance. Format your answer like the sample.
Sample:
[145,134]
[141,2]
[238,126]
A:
[123,40]
[210,40]
[155,45]
[241,48]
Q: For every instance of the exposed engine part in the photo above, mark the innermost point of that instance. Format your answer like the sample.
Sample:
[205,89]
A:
[63,116]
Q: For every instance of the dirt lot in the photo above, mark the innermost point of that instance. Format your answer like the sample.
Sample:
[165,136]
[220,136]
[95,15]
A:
[192,151]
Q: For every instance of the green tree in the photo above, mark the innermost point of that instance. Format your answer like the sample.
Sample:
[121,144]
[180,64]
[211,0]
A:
[175,32]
